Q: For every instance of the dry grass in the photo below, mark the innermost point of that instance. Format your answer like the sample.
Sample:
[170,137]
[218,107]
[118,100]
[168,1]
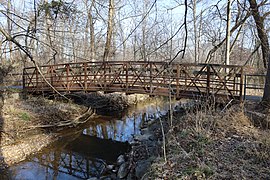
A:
[19,115]
[208,144]
[23,123]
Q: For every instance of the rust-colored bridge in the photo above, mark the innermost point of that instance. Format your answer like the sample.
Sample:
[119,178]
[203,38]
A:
[153,78]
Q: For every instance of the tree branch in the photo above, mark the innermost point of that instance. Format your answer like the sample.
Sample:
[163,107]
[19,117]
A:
[29,55]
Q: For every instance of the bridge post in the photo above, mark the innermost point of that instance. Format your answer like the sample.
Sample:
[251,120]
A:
[23,83]
[151,78]
[208,80]
[104,76]
[67,78]
[241,84]
[51,74]
[127,64]
[186,76]
[36,77]
[177,81]
[85,76]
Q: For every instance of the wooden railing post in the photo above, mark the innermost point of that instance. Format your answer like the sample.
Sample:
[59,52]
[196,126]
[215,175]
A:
[127,65]
[24,78]
[36,77]
[235,88]
[151,78]
[177,81]
[85,76]
[51,75]
[245,87]
[67,78]
[104,76]
[208,80]
[110,77]
[241,84]
[24,83]
[186,76]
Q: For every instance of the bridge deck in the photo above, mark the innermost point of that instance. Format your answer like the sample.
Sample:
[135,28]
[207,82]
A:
[153,78]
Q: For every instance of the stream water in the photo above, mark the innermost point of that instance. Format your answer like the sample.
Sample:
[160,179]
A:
[86,152]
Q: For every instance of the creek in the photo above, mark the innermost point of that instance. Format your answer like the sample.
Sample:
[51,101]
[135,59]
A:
[87,152]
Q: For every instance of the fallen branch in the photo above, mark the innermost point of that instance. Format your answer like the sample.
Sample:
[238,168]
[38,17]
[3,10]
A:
[227,105]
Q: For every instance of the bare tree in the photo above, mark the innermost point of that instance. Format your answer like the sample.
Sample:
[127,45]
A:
[110,28]
[228,35]
[90,27]
[259,20]
[9,25]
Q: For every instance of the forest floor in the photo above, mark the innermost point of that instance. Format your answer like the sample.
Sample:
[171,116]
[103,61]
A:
[206,143]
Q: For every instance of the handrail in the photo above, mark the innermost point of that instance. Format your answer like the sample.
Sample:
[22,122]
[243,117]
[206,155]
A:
[137,62]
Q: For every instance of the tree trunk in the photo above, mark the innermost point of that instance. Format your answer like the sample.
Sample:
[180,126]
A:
[228,34]
[92,32]
[259,20]
[86,33]
[144,24]
[48,40]
[109,31]
[199,36]
[9,27]
[195,30]
[266,94]
[89,27]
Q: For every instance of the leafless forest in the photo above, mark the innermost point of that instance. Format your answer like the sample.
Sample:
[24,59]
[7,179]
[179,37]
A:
[193,31]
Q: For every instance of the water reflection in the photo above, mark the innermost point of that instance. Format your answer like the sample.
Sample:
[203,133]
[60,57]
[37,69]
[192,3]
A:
[129,125]
[86,153]
[82,158]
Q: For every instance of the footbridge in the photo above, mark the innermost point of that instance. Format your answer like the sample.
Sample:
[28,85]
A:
[153,78]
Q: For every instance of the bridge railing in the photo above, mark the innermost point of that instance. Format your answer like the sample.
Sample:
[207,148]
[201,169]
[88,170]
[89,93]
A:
[13,80]
[153,78]
[254,85]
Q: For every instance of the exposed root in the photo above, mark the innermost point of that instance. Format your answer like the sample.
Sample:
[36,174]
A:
[68,123]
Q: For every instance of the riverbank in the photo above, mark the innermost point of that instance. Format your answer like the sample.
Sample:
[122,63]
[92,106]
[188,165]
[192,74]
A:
[207,143]
[96,141]
[29,125]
